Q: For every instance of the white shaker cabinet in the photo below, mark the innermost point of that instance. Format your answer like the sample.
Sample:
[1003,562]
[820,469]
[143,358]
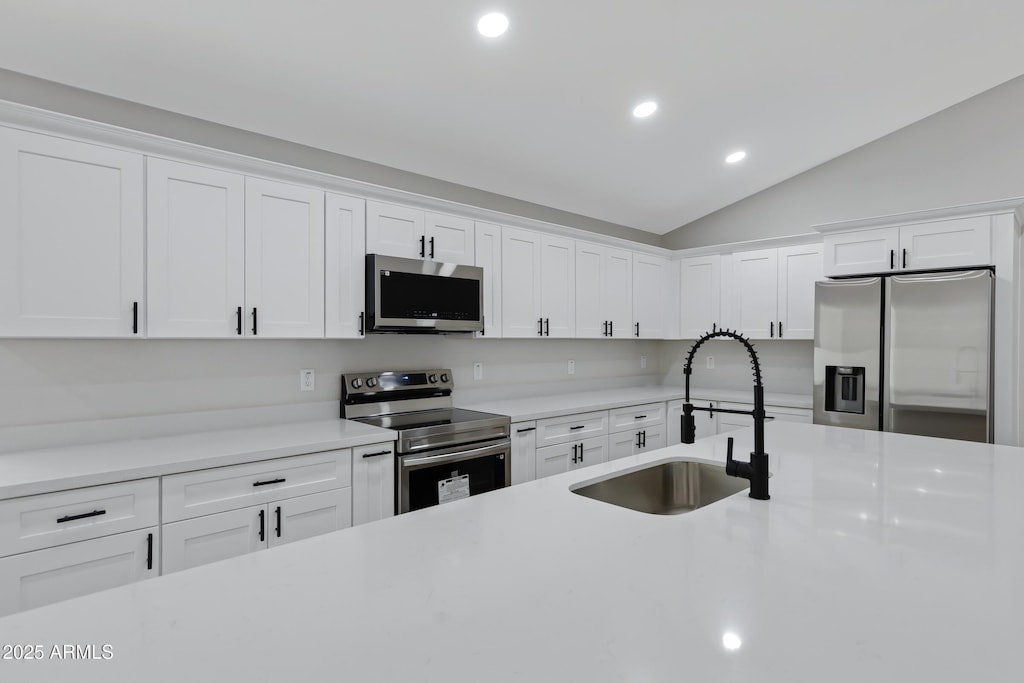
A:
[488,256]
[573,455]
[861,252]
[373,482]
[345,256]
[799,268]
[558,286]
[755,297]
[604,291]
[650,297]
[71,238]
[538,284]
[700,295]
[449,239]
[524,452]
[406,232]
[284,260]
[195,244]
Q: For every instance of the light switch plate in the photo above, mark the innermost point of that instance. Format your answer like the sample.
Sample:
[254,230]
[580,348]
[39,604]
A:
[478,370]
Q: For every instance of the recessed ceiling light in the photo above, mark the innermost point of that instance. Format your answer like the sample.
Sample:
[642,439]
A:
[492,25]
[736,157]
[731,641]
[644,109]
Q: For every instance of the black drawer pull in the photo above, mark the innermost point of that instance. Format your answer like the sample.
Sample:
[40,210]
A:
[526,429]
[577,427]
[375,453]
[639,417]
[149,551]
[238,321]
[263,525]
[135,317]
[269,481]
[71,518]
[278,513]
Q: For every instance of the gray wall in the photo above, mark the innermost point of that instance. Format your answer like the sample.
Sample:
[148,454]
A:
[971,152]
[786,366]
[35,92]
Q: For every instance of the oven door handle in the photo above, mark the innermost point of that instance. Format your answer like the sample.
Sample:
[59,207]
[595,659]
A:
[416,461]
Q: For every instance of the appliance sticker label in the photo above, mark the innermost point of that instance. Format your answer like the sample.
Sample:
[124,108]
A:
[453,489]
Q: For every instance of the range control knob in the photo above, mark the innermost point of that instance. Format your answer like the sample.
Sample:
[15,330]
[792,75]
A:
[444,377]
[357,383]
[432,379]
[371,382]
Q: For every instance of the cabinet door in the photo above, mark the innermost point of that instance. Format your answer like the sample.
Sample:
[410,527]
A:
[202,540]
[861,252]
[649,296]
[345,258]
[591,314]
[558,286]
[71,238]
[373,482]
[46,576]
[449,239]
[488,256]
[520,283]
[284,259]
[706,424]
[652,438]
[590,452]
[700,295]
[755,293]
[946,244]
[555,459]
[622,445]
[395,230]
[298,518]
[617,291]
[799,269]
[524,452]
[195,246]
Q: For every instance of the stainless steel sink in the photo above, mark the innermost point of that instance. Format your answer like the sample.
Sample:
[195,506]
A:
[668,488]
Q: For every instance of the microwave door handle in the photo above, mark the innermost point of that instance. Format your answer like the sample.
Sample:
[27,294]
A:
[453,457]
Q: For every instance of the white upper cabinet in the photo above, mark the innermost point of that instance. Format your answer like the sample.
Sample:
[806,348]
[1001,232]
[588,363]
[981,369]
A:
[284,260]
[799,268]
[345,250]
[700,295]
[411,233]
[923,246]
[604,291]
[71,238]
[520,283]
[195,245]
[487,245]
[558,286]
[650,297]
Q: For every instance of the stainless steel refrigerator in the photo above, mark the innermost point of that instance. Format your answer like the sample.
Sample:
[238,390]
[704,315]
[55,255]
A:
[906,353]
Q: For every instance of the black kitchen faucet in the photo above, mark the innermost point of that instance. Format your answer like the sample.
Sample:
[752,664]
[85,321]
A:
[755,471]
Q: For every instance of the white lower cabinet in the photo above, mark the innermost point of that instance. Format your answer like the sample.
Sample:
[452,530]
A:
[571,455]
[202,540]
[728,422]
[298,518]
[42,577]
[524,452]
[624,444]
[373,482]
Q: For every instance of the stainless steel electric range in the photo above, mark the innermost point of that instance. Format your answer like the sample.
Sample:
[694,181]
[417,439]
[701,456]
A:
[443,453]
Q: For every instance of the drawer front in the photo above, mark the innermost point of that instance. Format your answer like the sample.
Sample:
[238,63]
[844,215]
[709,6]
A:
[52,519]
[228,488]
[571,428]
[636,417]
[46,576]
[195,542]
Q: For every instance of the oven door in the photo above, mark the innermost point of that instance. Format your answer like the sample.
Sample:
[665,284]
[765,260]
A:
[427,479]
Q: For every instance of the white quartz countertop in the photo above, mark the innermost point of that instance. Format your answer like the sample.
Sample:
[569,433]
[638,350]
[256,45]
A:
[880,557]
[25,473]
[539,407]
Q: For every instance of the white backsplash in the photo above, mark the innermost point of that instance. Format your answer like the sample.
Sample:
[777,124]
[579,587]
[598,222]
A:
[786,366]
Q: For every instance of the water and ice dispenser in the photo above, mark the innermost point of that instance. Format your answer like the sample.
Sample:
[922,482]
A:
[844,389]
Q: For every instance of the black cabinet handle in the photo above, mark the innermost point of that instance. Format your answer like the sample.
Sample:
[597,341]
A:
[526,429]
[431,247]
[780,329]
[892,259]
[638,329]
[604,329]
[773,330]
[254,321]
[423,246]
[611,328]
[277,530]
[263,525]
[149,551]
[581,452]
[71,518]
[135,317]
[639,417]
[540,327]
[904,258]
[238,321]
[361,323]
[547,327]
[638,439]
[269,481]
[643,439]
[577,427]
[376,453]
[574,454]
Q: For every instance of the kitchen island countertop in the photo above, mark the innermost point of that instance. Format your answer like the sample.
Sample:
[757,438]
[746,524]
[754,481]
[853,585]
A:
[880,557]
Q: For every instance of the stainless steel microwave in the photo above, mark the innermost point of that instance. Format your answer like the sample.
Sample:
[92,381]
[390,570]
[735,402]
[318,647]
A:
[413,296]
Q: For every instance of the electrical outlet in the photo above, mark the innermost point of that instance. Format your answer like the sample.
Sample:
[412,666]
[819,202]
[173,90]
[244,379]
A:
[711,362]
[478,370]
[307,380]
[643,362]
[572,367]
